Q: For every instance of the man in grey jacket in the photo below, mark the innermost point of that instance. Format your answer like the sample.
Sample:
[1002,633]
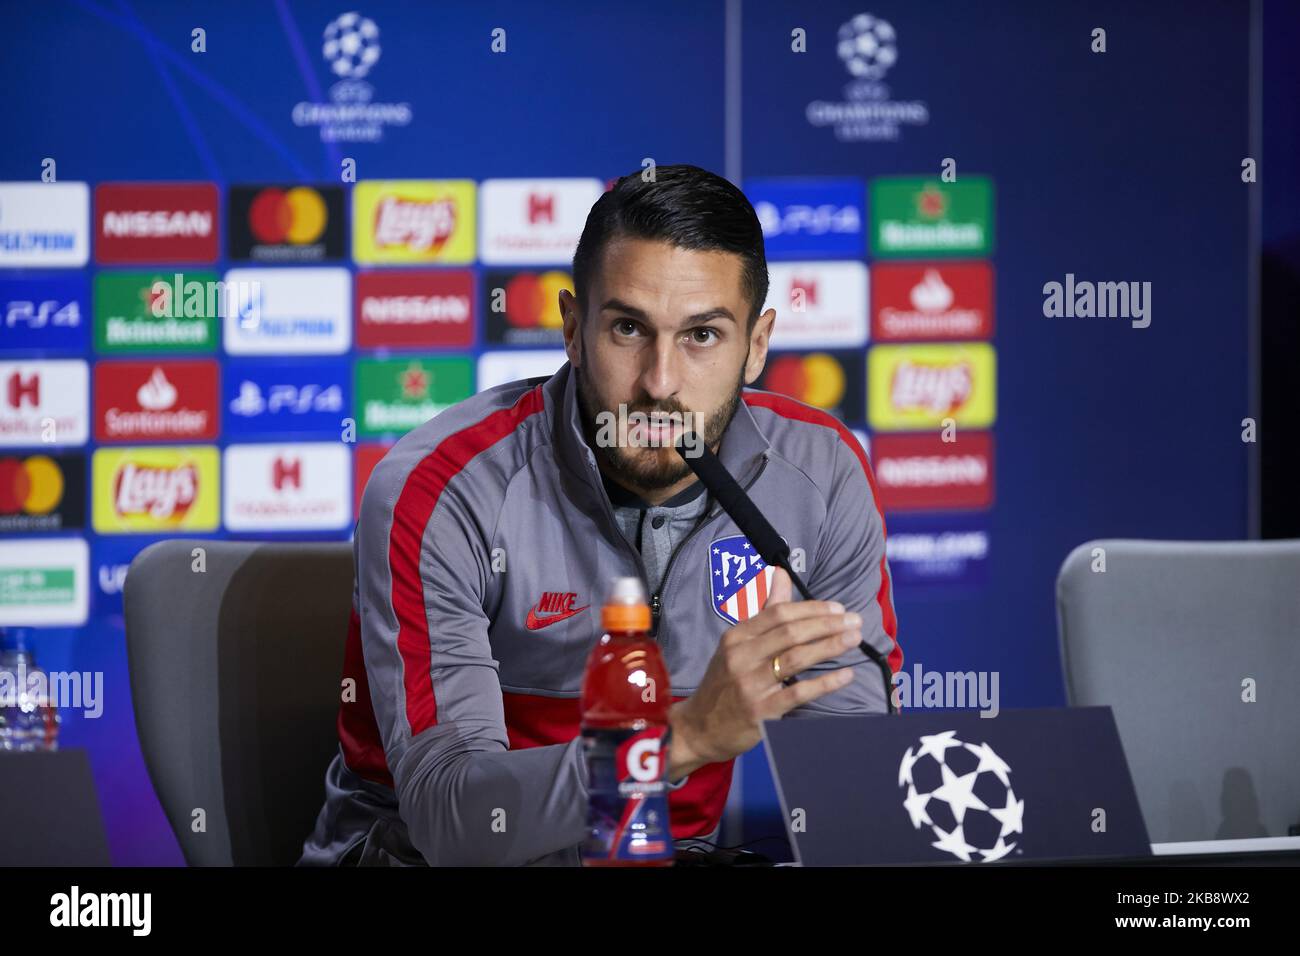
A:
[488,535]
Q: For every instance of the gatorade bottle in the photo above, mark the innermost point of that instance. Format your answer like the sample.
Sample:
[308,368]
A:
[625,702]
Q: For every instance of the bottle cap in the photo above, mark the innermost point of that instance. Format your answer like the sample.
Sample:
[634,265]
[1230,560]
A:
[626,608]
[16,639]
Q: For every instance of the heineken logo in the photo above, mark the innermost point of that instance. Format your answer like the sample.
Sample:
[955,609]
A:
[913,216]
[141,311]
[396,395]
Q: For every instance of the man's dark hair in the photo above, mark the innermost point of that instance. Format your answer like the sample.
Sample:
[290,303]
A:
[687,206]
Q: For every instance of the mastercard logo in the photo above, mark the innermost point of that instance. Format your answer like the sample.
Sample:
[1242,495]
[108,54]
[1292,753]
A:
[816,379]
[532,300]
[31,486]
[296,216]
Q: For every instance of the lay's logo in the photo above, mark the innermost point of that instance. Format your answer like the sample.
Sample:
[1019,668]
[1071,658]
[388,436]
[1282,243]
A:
[414,221]
[936,388]
[162,488]
[916,387]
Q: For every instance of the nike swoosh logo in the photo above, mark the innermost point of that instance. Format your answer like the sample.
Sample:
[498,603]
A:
[535,623]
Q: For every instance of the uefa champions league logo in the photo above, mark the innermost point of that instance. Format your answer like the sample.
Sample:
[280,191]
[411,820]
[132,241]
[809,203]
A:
[351,46]
[964,797]
[866,45]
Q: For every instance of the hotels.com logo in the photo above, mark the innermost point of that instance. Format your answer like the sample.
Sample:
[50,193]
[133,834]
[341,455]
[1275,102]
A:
[286,472]
[163,494]
[23,391]
[44,402]
[930,388]
[541,208]
[803,291]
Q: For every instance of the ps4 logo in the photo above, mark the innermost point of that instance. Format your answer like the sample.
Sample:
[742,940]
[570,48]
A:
[39,314]
[820,220]
[291,399]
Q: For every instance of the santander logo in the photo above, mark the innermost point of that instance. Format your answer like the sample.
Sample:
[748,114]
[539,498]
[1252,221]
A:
[157,393]
[931,294]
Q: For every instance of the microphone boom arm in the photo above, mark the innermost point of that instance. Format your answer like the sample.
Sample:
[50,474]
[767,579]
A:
[771,547]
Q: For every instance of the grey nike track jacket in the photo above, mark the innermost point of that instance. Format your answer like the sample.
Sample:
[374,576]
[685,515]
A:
[483,548]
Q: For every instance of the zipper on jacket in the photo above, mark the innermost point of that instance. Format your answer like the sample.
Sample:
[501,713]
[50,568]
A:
[656,599]
[612,522]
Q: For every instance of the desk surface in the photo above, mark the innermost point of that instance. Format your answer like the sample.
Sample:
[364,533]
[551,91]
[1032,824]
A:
[1262,851]
[1254,845]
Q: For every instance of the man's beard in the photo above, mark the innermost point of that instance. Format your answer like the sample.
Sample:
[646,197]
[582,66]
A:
[649,468]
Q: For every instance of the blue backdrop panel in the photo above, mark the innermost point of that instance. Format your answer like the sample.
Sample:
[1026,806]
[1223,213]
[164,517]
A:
[1122,166]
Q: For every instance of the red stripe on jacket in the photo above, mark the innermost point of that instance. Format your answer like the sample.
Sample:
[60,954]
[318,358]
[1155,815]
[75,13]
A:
[363,750]
[788,408]
[694,809]
[419,496]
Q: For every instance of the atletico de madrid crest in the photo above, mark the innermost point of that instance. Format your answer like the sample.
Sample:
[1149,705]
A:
[740,578]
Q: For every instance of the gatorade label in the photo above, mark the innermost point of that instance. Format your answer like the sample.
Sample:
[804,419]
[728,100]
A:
[627,816]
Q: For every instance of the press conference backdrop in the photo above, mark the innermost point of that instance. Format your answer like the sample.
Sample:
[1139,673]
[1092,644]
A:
[922,172]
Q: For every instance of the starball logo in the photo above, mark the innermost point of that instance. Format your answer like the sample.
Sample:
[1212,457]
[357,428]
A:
[868,48]
[351,49]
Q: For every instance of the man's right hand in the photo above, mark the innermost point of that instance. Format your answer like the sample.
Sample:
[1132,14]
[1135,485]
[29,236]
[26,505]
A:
[740,689]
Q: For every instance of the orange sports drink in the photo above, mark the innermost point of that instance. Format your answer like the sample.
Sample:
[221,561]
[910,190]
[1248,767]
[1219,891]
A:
[625,703]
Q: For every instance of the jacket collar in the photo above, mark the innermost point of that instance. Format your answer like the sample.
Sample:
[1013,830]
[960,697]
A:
[743,443]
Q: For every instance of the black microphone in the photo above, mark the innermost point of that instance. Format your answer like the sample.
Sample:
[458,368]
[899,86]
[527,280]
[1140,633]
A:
[771,547]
